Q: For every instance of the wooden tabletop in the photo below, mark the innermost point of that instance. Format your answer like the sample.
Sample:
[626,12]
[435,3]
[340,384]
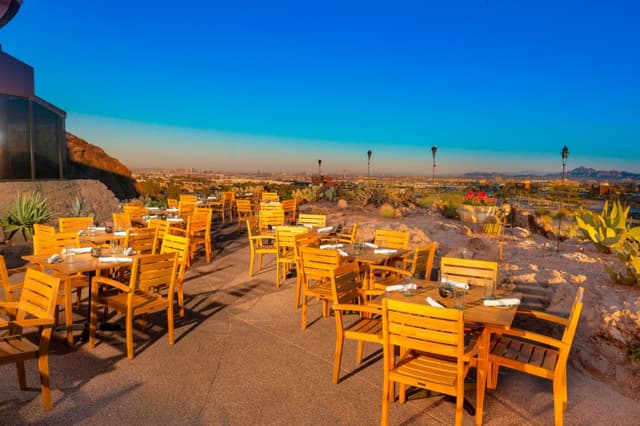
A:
[82,262]
[368,254]
[474,311]
[101,237]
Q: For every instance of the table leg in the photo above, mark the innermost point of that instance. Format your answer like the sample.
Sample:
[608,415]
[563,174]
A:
[482,371]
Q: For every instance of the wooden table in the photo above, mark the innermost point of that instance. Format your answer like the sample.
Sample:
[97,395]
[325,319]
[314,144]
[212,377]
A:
[475,313]
[100,238]
[83,263]
[368,256]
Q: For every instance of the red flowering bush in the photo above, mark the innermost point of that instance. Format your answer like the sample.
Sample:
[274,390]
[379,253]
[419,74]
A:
[479,198]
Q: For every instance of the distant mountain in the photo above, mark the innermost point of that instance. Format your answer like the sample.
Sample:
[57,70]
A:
[88,161]
[577,173]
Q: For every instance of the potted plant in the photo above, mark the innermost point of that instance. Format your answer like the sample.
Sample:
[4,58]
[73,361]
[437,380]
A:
[476,207]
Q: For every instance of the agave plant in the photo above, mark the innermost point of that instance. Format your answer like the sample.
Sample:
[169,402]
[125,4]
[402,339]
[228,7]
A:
[28,210]
[79,208]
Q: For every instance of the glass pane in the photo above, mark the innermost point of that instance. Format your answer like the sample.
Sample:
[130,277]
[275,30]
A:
[15,157]
[46,145]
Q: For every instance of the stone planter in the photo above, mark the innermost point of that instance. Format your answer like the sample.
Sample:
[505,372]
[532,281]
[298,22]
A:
[475,214]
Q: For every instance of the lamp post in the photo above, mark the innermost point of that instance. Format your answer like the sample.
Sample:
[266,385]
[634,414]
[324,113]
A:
[565,154]
[319,169]
[369,164]
[433,154]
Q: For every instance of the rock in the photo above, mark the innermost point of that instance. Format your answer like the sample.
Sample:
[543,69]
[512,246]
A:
[342,204]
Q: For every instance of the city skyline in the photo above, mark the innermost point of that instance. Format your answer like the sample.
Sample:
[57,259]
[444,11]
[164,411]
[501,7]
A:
[275,87]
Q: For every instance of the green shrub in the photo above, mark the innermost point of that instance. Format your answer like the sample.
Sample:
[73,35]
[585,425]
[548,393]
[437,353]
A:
[634,352]
[79,208]
[27,211]
[387,211]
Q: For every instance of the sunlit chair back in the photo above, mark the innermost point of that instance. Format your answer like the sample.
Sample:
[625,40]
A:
[432,347]
[286,249]
[290,208]
[172,203]
[420,262]
[188,198]
[199,232]
[136,212]
[162,226]
[55,243]
[150,289]
[259,245]
[306,239]
[10,288]
[36,307]
[267,218]
[121,221]
[391,239]
[142,240]
[39,228]
[244,210]
[469,271]
[229,200]
[267,197]
[75,224]
[316,267]
[180,245]
[314,220]
[348,236]
[185,209]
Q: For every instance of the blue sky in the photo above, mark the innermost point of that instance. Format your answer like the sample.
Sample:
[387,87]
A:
[275,85]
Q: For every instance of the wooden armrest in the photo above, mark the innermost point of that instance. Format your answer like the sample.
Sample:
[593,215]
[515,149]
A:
[385,268]
[177,230]
[34,322]
[17,270]
[102,280]
[529,335]
[9,305]
[372,309]
[543,316]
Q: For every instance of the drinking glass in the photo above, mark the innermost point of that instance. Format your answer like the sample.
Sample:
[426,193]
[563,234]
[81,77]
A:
[408,292]
[489,289]
[459,296]
[444,288]
[70,253]
[115,247]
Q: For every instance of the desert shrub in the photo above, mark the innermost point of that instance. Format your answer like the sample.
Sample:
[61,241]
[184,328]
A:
[634,352]
[79,208]
[27,211]
[387,211]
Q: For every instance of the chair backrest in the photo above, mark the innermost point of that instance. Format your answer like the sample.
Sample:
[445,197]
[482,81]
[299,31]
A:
[289,207]
[188,198]
[422,261]
[121,221]
[318,263]
[315,220]
[161,225]
[179,245]
[39,228]
[172,203]
[574,316]
[74,224]
[229,197]
[135,210]
[269,196]
[39,295]
[469,271]
[348,236]
[154,272]
[423,328]
[54,243]
[345,283]
[243,206]
[270,217]
[185,208]
[286,237]
[199,223]
[6,285]
[391,239]
[142,240]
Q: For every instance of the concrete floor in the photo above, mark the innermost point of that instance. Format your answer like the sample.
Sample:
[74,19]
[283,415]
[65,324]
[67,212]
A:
[241,358]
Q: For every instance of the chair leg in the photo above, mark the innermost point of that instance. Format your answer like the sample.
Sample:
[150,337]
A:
[170,323]
[180,299]
[22,377]
[558,403]
[303,323]
[337,359]
[298,289]
[460,404]
[45,382]
[68,314]
[360,351]
[384,417]
[207,251]
[492,376]
[251,261]
[78,297]
[93,317]
[129,334]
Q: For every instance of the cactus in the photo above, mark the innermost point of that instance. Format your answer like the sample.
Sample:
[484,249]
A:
[79,208]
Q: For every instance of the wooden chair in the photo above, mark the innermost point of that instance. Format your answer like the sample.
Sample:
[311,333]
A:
[121,221]
[136,212]
[307,239]
[162,226]
[289,207]
[244,211]
[537,354]
[185,209]
[189,198]
[420,262]
[180,246]
[433,355]
[150,289]
[39,228]
[469,271]
[74,224]
[269,218]
[382,276]
[36,308]
[348,236]
[259,245]
[11,287]
[391,239]
[317,265]
[229,204]
[199,233]
[172,203]
[315,220]
[142,240]
[267,197]
[286,250]
[367,326]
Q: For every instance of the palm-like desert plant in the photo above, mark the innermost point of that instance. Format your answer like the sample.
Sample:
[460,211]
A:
[28,210]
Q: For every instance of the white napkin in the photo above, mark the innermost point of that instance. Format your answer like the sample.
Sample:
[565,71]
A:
[54,258]
[456,284]
[173,210]
[330,246]
[120,233]
[385,251]
[402,287]
[100,228]
[325,229]
[129,251]
[371,245]
[113,259]
[434,303]
[175,219]
[342,252]
[305,224]
[502,302]
[81,250]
